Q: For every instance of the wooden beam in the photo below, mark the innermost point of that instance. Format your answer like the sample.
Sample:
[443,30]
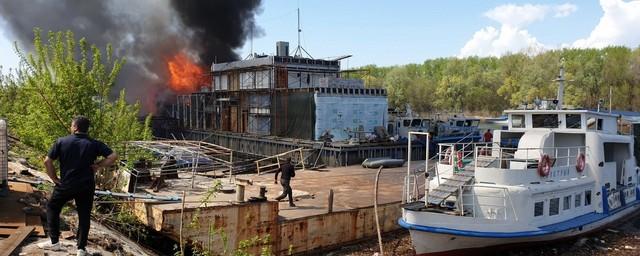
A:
[7,246]
[330,202]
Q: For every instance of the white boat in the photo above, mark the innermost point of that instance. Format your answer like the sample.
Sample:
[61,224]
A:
[572,172]
[401,123]
[457,128]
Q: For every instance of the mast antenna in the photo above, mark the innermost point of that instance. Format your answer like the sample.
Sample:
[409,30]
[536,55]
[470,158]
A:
[299,49]
[251,54]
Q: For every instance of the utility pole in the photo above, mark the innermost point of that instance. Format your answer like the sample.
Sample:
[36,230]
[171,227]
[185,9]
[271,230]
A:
[560,81]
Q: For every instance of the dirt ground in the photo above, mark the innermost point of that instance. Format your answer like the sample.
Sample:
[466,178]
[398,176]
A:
[621,240]
[102,240]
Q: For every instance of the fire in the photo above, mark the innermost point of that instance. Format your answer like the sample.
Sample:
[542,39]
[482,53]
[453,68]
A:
[185,76]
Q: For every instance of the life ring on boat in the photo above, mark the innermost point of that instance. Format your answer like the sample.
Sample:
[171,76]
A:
[544,165]
[447,159]
[459,160]
[580,162]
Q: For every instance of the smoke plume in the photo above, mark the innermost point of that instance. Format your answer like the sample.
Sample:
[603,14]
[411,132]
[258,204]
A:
[146,32]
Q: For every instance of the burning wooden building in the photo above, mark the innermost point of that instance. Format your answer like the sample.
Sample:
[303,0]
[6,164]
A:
[285,96]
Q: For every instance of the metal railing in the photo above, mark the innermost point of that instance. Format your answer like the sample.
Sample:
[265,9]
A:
[260,167]
[410,187]
[503,197]
[528,157]
[446,150]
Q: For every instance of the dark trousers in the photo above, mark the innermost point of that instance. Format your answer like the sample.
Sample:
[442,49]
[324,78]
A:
[83,196]
[286,191]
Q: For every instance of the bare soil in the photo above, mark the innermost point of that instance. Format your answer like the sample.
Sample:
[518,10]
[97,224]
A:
[621,240]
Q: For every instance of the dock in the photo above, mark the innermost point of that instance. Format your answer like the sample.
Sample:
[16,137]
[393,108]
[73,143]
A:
[310,226]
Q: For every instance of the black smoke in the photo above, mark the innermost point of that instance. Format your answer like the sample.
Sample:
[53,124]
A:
[198,17]
[145,32]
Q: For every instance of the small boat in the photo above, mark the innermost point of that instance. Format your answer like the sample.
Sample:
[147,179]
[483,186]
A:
[382,161]
[456,128]
[401,123]
[570,172]
[502,120]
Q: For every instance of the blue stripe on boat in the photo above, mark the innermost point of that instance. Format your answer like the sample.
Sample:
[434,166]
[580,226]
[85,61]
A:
[576,222]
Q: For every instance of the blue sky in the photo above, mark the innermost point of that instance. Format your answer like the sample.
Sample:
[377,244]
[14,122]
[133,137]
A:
[400,32]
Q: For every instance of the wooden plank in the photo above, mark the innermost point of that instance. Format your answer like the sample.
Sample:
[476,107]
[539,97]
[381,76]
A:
[12,216]
[8,231]
[8,245]
[35,221]
[234,118]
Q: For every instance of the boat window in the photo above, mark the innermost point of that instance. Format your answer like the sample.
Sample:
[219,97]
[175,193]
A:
[538,209]
[460,123]
[475,123]
[406,123]
[390,128]
[425,122]
[545,120]
[415,123]
[578,200]
[587,197]
[467,123]
[554,206]
[591,123]
[566,205]
[599,124]
[573,121]
[517,121]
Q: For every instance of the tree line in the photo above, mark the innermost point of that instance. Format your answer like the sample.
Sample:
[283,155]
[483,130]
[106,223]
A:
[493,84]
[61,78]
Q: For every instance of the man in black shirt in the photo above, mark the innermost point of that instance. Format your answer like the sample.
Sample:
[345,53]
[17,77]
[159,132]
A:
[76,154]
[287,173]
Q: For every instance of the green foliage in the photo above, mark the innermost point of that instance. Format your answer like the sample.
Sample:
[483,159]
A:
[491,84]
[64,77]
[245,245]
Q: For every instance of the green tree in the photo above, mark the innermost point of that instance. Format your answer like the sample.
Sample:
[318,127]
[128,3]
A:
[490,84]
[65,77]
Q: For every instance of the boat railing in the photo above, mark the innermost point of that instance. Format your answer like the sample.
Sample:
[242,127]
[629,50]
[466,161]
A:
[525,158]
[410,189]
[492,202]
[446,150]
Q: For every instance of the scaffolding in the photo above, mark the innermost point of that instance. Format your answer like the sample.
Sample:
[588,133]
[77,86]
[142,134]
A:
[4,158]
[169,157]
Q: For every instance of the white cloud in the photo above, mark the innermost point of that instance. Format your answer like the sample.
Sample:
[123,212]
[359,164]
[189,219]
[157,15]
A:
[517,15]
[490,41]
[512,35]
[564,10]
[618,26]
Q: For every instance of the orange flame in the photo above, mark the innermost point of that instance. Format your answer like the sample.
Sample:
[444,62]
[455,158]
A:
[185,75]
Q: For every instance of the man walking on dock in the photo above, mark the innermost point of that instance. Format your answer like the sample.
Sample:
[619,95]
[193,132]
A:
[76,154]
[285,180]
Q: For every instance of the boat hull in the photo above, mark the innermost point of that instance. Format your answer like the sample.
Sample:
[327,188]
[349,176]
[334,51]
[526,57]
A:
[453,243]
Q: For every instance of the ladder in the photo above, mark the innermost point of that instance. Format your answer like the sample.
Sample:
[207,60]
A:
[450,186]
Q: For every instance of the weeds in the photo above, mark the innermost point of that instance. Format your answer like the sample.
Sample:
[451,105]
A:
[204,248]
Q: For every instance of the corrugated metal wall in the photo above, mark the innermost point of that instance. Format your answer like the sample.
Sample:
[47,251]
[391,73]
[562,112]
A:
[348,116]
